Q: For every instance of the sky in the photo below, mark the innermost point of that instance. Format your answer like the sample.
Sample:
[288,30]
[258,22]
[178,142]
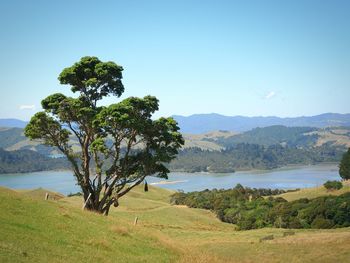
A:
[253,58]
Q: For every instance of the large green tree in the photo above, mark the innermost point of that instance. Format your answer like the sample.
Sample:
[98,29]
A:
[344,166]
[120,144]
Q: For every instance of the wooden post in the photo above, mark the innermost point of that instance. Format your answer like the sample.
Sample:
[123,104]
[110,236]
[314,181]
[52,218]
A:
[135,221]
[87,200]
[46,196]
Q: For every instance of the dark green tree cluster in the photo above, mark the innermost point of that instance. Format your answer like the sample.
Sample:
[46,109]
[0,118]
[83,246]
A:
[24,161]
[321,212]
[333,185]
[245,156]
[344,166]
[124,133]
[250,208]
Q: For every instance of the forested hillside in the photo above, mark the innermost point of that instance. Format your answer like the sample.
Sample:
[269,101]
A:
[222,151]
[28,161]
[248,209]
[245,156]
[287,136]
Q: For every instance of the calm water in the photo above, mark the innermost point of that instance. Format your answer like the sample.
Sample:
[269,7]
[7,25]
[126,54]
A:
[287,178]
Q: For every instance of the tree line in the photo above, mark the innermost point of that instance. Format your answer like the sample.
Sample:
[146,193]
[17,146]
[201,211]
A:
[244,156]
[24,161]
[250,208]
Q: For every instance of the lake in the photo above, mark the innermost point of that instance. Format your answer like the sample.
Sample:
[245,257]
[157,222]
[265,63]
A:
[284,178]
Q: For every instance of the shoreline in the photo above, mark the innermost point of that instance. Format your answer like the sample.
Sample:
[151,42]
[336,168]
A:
[164,182]
[286,167]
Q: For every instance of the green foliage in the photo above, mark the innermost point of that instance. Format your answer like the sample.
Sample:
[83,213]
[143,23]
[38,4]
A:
[120,144]
[322,223]
[45,127]
[246,208]
[93,78]
[244,156]
[344,167]
[333,185]
[75,194]
[277,134]
[23,161]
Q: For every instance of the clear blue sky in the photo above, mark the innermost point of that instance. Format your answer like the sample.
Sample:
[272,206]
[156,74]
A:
[253,58]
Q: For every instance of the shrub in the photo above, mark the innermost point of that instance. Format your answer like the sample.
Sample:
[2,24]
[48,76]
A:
[333,185]
[75,194]
[321,223]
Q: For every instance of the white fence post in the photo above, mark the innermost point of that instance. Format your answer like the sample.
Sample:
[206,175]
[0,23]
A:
[87,200]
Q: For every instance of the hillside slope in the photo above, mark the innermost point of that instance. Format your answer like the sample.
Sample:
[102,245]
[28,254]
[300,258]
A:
[34,230]
[13,138]
[315,192]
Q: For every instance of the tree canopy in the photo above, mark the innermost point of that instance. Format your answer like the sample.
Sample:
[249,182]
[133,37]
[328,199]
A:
[344,167]
[120,144]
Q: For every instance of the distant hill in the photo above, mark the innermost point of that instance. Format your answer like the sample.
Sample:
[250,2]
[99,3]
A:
[28,161]
[203,123]
[13,138]
[277,134]
[218,151]
[14,123]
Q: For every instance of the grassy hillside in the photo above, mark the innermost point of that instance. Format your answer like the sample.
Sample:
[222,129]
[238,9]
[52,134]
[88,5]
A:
[34,230]
[315,192]
[207,141]
[334,136]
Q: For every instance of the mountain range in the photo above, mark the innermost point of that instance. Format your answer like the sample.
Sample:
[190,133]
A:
[13,123]
[204,123]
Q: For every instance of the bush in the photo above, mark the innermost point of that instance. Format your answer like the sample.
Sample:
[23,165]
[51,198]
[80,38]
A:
[333,185]
[321,223]
[75,194]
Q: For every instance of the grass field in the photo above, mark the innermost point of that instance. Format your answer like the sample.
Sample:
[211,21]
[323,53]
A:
[57,230]
[315,192]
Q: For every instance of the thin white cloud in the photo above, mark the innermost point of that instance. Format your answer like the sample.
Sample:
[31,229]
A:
[270,95]
[27,107]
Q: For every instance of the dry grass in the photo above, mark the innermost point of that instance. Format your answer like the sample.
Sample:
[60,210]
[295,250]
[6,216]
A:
[338,136]
[120,230]
[315,192]
[199,140]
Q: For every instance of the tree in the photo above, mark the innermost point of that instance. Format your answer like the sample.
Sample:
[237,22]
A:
[333,185]
[344,167]
[119,144]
